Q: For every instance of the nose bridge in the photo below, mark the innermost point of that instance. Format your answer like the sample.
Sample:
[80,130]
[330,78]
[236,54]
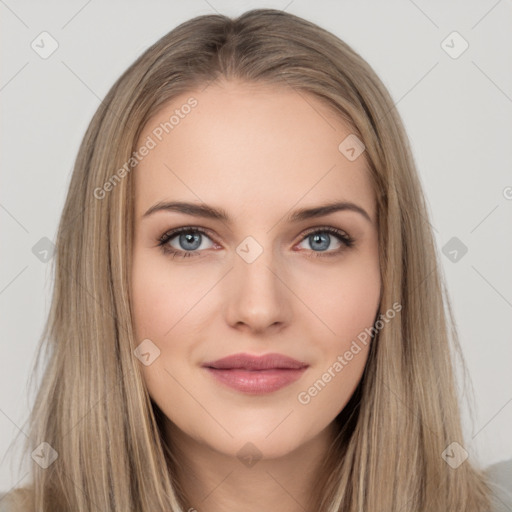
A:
[257,296]
[255,265]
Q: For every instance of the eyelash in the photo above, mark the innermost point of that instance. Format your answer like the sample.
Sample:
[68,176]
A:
[345,239]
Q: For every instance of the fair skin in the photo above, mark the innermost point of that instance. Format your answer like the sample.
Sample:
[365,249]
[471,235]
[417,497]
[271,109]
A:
[258,153]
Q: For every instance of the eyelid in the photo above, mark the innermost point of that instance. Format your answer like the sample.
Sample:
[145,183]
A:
[340,234]
[328,229]
[172,232]
[210,233]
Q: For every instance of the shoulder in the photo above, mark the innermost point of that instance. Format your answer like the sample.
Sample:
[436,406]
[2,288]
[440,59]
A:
[16,500]
[499,478]
[4,502]
[500,481]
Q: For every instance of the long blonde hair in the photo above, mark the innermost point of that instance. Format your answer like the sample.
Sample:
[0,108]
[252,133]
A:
[92,407]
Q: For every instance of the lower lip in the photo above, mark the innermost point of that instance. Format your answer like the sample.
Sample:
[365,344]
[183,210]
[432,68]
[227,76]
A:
[258,381]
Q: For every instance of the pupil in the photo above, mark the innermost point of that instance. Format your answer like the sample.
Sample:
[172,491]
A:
[189,239]
[323,239]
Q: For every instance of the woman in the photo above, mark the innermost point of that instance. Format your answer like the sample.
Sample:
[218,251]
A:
[248,311]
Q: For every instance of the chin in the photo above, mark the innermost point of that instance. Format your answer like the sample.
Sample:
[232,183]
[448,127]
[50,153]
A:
[268,440]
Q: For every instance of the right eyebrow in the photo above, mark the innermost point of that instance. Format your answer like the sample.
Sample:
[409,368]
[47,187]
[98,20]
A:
[197,210]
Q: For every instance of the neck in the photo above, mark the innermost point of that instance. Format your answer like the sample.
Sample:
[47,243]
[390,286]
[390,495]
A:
[213,481]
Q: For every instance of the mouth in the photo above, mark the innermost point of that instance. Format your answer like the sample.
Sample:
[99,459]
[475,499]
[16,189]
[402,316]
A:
[256,374]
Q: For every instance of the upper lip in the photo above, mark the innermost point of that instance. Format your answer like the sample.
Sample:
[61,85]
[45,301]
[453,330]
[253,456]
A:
[251,362]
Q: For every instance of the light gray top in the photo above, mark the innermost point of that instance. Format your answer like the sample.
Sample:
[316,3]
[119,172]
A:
[500,475]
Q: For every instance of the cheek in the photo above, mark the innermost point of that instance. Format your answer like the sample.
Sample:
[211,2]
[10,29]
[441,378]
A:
[163,307]
[344,301]
[336,304]
[164,296]
[328,390]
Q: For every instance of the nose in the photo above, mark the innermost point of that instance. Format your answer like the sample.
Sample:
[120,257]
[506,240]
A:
[258,299]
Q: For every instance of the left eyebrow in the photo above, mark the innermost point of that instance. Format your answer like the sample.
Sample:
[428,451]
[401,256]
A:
[206,211]
[319,211]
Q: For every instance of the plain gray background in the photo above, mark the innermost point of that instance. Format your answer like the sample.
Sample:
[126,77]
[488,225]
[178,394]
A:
[457,111]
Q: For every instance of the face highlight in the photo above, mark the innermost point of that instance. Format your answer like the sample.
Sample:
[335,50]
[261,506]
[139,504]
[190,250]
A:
[254,235]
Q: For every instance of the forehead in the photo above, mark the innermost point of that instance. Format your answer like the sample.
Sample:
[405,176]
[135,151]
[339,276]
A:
[250,148]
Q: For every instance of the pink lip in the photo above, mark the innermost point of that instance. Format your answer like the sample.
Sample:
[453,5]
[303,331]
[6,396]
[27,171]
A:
[256,374]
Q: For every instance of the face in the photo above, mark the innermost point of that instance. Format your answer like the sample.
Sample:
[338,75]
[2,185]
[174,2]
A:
[258,271]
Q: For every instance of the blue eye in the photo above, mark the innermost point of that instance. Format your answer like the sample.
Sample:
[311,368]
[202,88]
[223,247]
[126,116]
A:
[190,240]
[320,240]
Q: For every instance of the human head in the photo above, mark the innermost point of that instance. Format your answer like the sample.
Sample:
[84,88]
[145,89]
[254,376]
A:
[92,312]
[257,152]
